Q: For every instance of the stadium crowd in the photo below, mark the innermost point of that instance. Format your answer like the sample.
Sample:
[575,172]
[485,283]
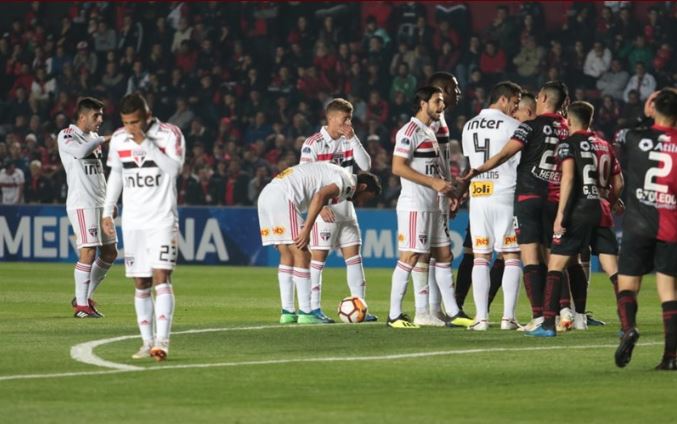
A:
[248,82]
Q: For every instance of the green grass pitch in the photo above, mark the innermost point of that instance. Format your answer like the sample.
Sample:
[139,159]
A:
[267,373]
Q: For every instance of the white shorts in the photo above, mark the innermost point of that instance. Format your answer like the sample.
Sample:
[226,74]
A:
[88,229]
[419,231]
[279,220]
[332,235]
[492,226]
[146,250]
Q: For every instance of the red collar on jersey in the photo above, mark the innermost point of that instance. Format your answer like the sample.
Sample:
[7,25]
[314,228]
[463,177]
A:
[662,128]
[583,132]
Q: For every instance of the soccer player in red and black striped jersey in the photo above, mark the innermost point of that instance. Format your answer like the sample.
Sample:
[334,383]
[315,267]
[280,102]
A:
[650,225]
[537,186]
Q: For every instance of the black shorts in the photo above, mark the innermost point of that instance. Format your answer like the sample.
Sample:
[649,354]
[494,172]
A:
[535,218]
[603,242]
[640,255]
[467,241]
[577,236]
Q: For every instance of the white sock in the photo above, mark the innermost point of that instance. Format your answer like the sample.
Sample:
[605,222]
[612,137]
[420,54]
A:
[316,268]
[164,310]
[143,304]
[302,282]
[445,282]
[81,275]
[99,270]
[355,275]
[284,278]
[512,275]
[434,300]
[398,288]
[481,283]
[419,275]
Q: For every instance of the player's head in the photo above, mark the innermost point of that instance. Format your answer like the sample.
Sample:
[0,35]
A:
[526,110]
[449,85]
[89,115]
[429,101]
[338,112]
[135,113]
[665,105]
[505,96]
[368,187]
[579,115]
[552,98]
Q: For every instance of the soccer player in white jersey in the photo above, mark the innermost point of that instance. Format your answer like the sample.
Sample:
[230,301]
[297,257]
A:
[491,203]
[145,157]
[337,226]
[80,152]
[304,187]
[416,160]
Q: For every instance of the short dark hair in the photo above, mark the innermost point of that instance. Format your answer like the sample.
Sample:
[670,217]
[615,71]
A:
[372,182]
[423,94]
[132,103]
[86,104]
[441,79]
[505,89]
[666,103]
[557,92]
[582,112]
[339,105]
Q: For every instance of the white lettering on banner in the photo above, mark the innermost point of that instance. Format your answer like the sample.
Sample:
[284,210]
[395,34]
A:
[378,244]
[64,228]
[40,234]
[212,242]
[21,237]
[187,240]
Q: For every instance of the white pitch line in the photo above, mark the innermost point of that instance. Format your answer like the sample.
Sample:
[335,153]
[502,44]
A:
[128,368]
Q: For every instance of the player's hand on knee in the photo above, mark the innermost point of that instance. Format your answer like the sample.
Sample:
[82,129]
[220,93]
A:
[327,214]
[108,227]
[301,241]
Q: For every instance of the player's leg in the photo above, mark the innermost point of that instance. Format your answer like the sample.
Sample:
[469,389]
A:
[87,240]
[163,252]
[107,254]
[464,274]
[301,278]
[496,276]
[285,272]
[511,278]
[483,243]
[434,296]
[351,245]
[530,229]
[666,283]
[322,239]
[579,293]
[553,288]
[137,267]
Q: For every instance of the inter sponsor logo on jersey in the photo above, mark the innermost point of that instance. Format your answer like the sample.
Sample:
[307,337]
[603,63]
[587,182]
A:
[138,181]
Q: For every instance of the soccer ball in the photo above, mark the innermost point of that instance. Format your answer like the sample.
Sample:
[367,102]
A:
[352,309]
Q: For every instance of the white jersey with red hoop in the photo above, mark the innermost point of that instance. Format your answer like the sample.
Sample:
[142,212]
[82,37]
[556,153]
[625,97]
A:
[346,153]
[81,157]
[417,143]
[302,181]
[146,174]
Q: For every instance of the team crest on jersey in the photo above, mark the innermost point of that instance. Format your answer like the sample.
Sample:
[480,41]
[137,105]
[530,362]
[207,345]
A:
[93,231]
[423,238]
[129,260]
[139,155]
[306,150]
[406,141]
[645,144]
[325,235]
[278,230]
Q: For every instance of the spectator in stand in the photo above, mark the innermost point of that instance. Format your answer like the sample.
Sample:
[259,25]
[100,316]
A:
[606,26]
[40,188]
[105,39]
[597,62]
[501,31]
[529,60]
[377,108]
[637,52]
[85,59]
[613,81]
[403,55]
[183,33]
[607,116]
[12,183]
[632,110]
[404,82]
[260,179]
[187,186]
[235,191]
[642,81]
[258,130]
[183,115]
[492,62]
[626,25]
[139,78]
[113,82]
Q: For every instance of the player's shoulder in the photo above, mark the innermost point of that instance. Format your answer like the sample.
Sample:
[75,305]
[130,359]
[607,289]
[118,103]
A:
[313,139]
[168,130]
[408,130]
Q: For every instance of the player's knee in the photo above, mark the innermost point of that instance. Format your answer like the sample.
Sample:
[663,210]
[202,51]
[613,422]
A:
[109,253]
[87,255]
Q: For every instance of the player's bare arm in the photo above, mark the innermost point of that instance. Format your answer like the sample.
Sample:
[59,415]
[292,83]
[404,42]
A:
[318,201]
[617,184]
[402,169]
[509,150]
[566,186]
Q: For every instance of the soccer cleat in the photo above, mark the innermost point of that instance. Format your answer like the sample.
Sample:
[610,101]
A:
[532,325]
[144,351]
[320,315]
[92,305]
[580,321]
[541,332]
[402,321]
[482,325]
[85,312]
[566,320]
[370,318]
[308,318]
[510,324]
[160,350]
[426,320]
[667,364]
[594,322]
[624,352]
[288,317]
[459,320]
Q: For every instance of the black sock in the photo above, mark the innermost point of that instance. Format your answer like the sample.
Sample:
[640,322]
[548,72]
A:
[496,276]
[565,293]
[553,288]
[534,282]
[579,287]
[670,327]
[627,309]
[614,283]
[464,278]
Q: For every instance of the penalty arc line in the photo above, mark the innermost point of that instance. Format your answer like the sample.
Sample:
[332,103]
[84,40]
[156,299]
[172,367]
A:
[123,368]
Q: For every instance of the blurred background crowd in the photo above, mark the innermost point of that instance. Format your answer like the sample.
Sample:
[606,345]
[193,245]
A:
[247,82]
